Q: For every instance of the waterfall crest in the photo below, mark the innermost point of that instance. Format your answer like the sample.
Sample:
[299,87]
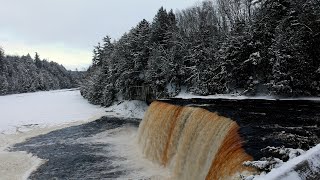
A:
[192,142]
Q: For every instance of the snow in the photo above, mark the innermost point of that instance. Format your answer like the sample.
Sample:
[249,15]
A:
[289,169]
[17,165]
[289,153]
[21,112]
[185,95]
[265,163]
[127,109]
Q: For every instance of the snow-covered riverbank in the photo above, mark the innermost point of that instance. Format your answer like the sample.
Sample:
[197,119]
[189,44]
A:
[27,115]
[185,95]
[20,112]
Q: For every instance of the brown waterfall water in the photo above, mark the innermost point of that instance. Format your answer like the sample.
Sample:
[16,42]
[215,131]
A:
[192,143]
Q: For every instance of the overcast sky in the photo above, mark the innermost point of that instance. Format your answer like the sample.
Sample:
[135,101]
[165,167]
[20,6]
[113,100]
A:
[65,31]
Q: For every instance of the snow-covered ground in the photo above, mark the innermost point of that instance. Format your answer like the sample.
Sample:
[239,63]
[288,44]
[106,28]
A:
[23,111]
[302,167]
[127,109]
[185,95]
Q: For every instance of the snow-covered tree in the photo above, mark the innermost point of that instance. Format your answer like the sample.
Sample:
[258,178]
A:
[249,47]
[23,74]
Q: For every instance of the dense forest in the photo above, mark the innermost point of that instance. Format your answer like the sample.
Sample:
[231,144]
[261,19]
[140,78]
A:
[246,47]
[25,74]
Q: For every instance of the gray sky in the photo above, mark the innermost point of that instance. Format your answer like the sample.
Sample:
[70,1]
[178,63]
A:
[65,31]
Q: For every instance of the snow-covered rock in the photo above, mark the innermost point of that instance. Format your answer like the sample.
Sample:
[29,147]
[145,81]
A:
[304,167]
[127,109]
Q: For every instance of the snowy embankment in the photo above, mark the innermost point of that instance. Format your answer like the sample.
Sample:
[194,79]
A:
[127,109]
[184,95]
[26,115]
[41,109]
[305,166]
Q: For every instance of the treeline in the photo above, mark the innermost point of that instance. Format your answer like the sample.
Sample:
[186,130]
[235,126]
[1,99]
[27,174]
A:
[25,74]
[230,46]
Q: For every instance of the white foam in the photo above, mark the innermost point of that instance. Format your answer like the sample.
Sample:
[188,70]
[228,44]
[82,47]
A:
[124,145]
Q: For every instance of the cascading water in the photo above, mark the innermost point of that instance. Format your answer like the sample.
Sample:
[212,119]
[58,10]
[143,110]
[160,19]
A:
[192,142]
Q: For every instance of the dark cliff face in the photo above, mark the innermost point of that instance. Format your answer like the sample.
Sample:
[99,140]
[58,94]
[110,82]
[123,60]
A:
[289,123]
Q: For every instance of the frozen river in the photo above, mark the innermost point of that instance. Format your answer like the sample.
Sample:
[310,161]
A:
[31,114]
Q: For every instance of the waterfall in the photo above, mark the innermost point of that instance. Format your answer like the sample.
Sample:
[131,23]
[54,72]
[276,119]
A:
[192,142]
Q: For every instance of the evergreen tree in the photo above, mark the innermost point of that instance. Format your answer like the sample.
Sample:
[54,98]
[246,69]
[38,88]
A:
[97,55]
[4,85]
[37,60]
[245,47]
[159,28]
[23,74]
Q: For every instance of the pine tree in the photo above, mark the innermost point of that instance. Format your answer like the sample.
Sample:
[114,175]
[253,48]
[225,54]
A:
[37,60]
[159,28]
[106,50]
[4,85]
[2,63]
[21,74]
[268,46]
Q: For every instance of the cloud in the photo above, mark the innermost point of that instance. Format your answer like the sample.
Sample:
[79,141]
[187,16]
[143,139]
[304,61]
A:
[76,24]
[69,57]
